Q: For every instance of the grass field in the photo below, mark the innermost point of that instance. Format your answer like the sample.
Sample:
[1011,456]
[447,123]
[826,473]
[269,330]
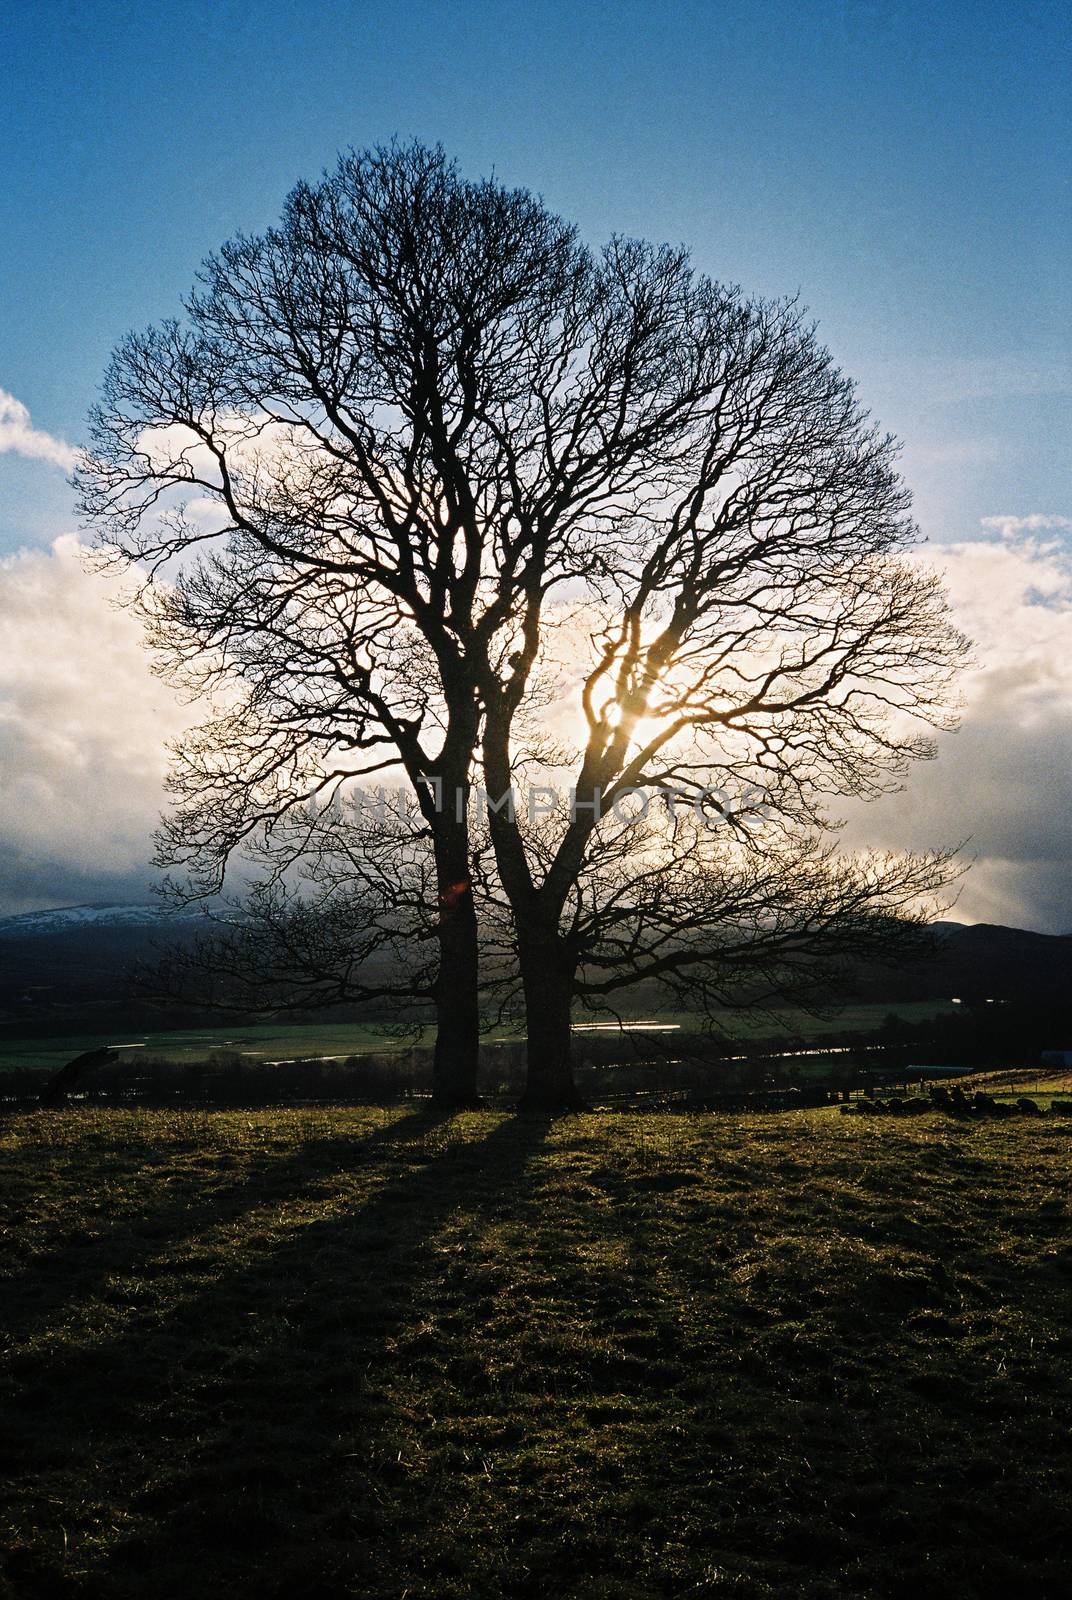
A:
[313,1353]
[275,1041]
[262,1041]
[1043,1083]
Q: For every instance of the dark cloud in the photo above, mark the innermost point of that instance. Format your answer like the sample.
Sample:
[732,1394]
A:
[82,725]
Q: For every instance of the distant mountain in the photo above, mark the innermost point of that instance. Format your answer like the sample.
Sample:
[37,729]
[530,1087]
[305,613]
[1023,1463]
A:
[35,924]
[68,968]
[977,962]
[72,965]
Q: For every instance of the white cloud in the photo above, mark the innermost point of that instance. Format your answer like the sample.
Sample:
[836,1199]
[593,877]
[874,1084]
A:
[1009,527]
[1005,779]
[82,725]
[18,434]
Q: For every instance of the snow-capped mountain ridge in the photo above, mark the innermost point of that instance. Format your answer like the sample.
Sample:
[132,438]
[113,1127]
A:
[60,919]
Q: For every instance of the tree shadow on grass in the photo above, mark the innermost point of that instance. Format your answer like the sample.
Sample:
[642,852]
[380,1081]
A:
[174,1207]
[638,1369]
[243,1444]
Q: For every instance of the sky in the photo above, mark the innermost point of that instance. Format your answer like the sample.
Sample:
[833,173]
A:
[903,167]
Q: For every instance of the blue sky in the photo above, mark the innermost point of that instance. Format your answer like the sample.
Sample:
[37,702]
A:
[904,167]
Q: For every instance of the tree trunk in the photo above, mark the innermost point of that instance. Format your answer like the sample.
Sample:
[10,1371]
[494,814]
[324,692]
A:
[457,1046]
[547,975]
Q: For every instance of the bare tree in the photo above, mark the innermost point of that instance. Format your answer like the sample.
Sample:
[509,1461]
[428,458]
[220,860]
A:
[409,425]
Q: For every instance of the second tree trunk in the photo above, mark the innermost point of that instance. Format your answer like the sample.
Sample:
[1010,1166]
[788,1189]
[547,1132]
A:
[457,1046]
[547,976]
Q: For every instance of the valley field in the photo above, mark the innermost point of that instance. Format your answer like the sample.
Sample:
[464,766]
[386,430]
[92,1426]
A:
[269,1041]
[323,1352]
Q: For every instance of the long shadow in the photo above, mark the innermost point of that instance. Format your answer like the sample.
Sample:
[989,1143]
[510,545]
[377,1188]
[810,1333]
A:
[169,1216]
[246,1423]
[311,1426]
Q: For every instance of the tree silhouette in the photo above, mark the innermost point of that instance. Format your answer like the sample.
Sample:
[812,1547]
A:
[422,425]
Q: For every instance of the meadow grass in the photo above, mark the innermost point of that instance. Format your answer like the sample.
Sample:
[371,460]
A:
[305,1353]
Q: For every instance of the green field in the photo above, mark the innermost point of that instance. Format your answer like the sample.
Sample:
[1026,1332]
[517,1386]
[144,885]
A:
[316,1353]
[285,1041]
[261,1042]
[792,1023]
